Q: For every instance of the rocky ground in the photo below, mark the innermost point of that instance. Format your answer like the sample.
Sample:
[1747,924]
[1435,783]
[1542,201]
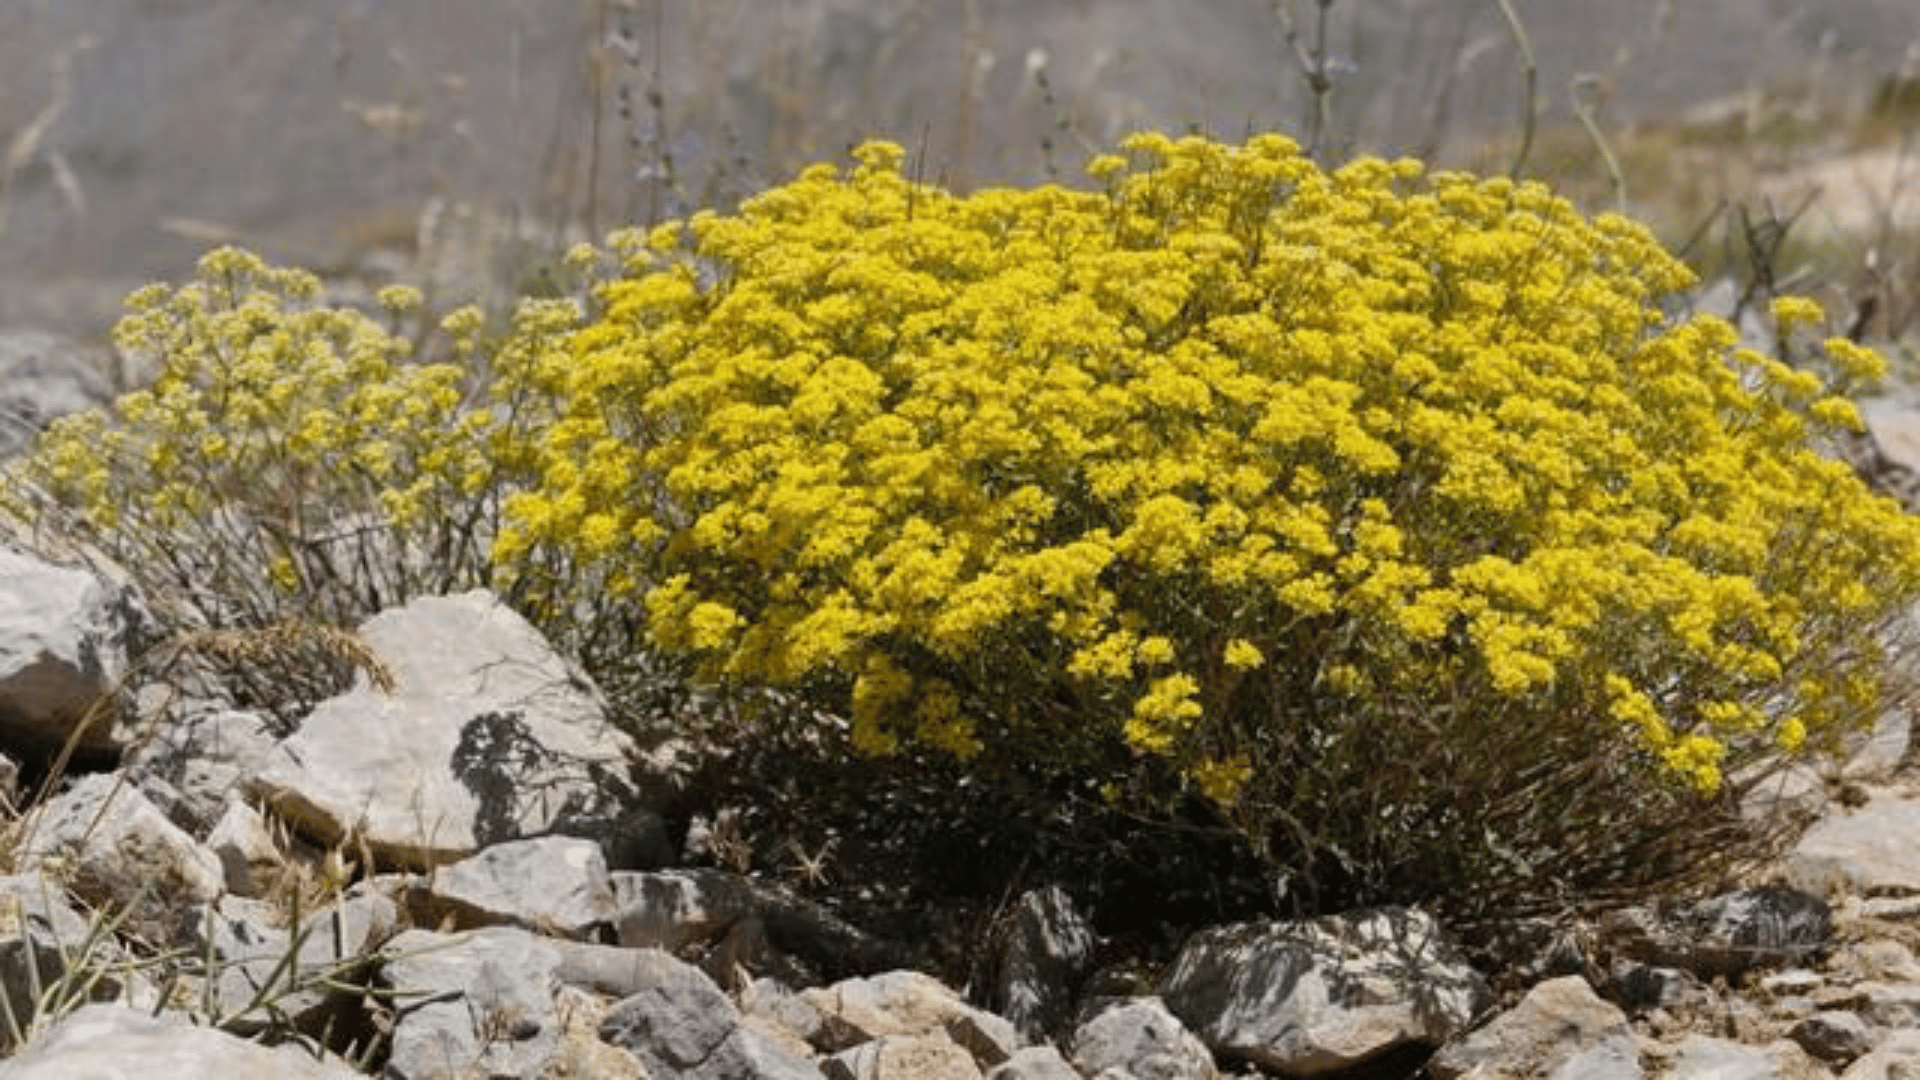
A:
[448,870]
[213,879]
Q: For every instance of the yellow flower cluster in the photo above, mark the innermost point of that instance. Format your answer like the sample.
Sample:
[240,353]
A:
[287,458]
[1206,456]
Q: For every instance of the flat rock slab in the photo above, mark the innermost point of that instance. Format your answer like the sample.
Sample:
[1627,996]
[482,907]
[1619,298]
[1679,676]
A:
[122,854]
[1140,1038]
[1318,997]
[487,735]
[112,1040]
[1874,850]
[1561,1029]
[557,885]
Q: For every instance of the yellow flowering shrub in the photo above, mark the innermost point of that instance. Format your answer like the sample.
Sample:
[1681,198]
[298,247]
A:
[1311,494]
[288,460]
[291,461]
[1383,518]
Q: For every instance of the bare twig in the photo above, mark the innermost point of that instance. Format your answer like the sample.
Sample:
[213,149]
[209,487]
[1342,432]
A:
[1061,120]
[1530,92]
[1763,241]
[1585,92]
[1312,60]
[810,868]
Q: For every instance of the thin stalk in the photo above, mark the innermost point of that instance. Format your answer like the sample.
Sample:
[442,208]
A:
[1530,94]
[1584,91]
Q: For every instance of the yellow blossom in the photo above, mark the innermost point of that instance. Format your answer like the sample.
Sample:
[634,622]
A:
[1243,655]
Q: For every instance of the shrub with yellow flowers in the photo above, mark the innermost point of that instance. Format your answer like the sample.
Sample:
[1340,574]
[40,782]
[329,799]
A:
[289,461]
[1384,516]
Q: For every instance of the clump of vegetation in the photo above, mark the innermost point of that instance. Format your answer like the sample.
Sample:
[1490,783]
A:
[1384,518]
[286,458]
[290,461]
[1379,521]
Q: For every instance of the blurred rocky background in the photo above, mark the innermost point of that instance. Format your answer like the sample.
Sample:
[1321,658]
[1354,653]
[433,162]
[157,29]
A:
[457,143]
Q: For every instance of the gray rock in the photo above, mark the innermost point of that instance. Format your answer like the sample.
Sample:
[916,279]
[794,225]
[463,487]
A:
[266,974]
[169,801]
[1725,936]
[988,1037]
[1833,1036]
[1889,1005]
[1872,850]
[1034,1063]
[902,1057]
[1896,1057]
[44,376]
[1767,926]
[1881,959]
[1640,987]
[1315,997]
[742,925]
[66,636]
[772,1001]
[113,1041]
[583,1056]
[478,1003]
[1895,426]
[680,1025]
[1140,1038]
[556,885]
[488,735]
[671,909]
[1793,982]
[243,940]
[1561,1028]
[205,753]
[855,1011]
[1047,951]
[1533,949]
[119,853]
[244,844]
[1703,1057]
[1791,791]
[1876,755]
